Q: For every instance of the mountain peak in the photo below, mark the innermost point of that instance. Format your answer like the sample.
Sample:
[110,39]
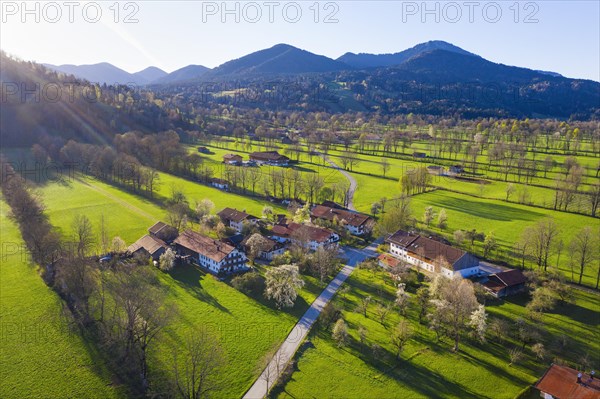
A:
[279,59]
[365,60]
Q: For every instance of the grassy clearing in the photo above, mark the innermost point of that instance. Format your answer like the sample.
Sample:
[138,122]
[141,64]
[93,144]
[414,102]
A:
[248,328]
[428,368]
[39,356]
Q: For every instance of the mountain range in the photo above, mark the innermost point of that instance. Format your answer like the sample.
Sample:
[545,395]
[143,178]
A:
[281,59]
[385,82]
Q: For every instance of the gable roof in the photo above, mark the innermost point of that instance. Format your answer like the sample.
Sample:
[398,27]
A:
[269,156]
[426,247]
[206,246]
[234,215]
[329,213]
[149,243]
[561,382]
[231,156]
[163,230]
[511,277]
[313,233]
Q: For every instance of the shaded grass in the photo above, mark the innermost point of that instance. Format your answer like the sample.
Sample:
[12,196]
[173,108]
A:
[40,357]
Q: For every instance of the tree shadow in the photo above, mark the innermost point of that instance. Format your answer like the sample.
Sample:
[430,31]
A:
[486,210]
[190,278]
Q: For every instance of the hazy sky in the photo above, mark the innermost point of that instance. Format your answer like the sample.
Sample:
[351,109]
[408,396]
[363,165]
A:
[561,36]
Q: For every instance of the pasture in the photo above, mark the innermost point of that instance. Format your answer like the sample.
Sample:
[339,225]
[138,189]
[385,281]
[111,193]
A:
[427,367]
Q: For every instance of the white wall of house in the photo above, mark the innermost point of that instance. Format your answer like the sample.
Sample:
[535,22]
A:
[216,267]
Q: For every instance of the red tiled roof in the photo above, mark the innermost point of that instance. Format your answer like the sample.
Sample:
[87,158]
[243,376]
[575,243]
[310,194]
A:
[230,157]
[213,249]
[511,277]
[313,233]
[389,260]
[329,213]
[561,382]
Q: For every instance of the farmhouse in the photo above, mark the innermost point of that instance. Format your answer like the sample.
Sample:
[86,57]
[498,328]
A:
[219,183]
[561,382]
[268,248]
[203,150]
[310,237]
[147,246]
[356,223]
[215,256]
[232,159]
[505,283]
[163,231]
[270,158]
[236,219]
[431,255]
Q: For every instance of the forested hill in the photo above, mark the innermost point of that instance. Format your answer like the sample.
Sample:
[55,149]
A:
[40,103]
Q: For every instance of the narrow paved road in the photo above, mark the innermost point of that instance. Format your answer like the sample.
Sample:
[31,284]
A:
[295,338]
[353,184]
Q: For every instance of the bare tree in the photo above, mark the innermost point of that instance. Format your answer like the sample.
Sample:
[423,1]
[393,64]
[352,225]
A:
[198,367]
[540,241]
[385,166]
[584,248]
[84,236]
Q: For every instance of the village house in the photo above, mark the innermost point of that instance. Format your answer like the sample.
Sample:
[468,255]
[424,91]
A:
[561,382]
[219,183]
[356,223]
[268,248]
[505,283]
[431,255]
[232,159]
[236,219]
[269,158]
[203,150]
[215,256]
[148,246]
[311,237]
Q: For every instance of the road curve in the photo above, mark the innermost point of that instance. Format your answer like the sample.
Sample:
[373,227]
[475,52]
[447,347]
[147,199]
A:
[295,338]
[352,180]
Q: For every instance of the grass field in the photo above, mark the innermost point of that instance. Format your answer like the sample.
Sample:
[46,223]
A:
[248,329]
[39,356]
[428,368]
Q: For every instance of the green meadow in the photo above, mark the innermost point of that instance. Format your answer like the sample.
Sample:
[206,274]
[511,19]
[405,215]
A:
[247,328]
[40,357]
[427,367]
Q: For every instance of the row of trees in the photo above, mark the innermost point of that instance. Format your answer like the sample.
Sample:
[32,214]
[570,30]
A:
[120,306]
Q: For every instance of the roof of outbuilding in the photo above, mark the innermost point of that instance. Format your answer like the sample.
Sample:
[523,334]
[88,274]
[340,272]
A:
[149,243]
